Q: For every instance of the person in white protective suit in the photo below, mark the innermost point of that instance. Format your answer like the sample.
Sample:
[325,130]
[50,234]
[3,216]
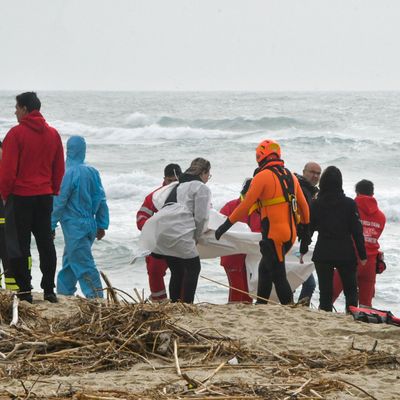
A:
[176,228]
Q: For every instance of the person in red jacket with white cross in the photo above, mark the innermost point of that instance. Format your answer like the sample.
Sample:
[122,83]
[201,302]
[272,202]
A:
[373,221]
[156,267]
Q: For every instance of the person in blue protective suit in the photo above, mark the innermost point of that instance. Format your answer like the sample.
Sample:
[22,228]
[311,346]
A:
[82,209]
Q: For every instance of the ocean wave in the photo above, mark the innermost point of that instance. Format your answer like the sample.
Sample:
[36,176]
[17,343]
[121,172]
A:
[135,185]
[234,124]
[110,135]
[392,214]
[8,121]
[390,205]
[5,125]
[287,137]
[137,120]
[335,144]
[240,123]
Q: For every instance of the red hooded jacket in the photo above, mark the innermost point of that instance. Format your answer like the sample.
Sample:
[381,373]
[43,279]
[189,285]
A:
[254,222]
[33,159]
[373,221]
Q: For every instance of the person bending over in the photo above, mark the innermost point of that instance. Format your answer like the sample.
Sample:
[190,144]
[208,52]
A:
[182,220]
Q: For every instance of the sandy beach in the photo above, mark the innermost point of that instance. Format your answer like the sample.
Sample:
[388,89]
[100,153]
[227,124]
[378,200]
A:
[103,105]
[273,352]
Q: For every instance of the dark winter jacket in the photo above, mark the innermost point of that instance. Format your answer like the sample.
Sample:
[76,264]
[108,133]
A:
[336,219]
[309,190]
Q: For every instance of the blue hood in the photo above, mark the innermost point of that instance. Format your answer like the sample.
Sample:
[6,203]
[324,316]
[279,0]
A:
[76,151]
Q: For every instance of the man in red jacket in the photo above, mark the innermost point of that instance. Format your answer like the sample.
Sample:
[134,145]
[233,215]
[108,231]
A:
[156,267]
[373,221]
[235,265]
[30,174]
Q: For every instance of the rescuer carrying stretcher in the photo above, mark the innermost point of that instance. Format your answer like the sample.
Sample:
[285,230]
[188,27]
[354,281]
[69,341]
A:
[284,215]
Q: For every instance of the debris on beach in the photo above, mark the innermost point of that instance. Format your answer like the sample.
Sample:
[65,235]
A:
[115,335]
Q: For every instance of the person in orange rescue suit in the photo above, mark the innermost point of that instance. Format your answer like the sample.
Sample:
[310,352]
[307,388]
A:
[277,193]
[235,265]
[156,267]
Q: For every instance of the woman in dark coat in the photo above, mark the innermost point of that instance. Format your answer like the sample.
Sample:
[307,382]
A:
[336,219]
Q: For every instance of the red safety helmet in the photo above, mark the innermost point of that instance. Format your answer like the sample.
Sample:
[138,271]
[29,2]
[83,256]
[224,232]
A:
[266,148]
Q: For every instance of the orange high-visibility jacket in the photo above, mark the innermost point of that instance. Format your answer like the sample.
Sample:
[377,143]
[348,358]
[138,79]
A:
[265,187]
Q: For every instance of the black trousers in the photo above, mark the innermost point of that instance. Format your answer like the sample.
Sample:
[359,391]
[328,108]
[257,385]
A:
[272,271]
[26,215]
[348,275]
[184,277]
[8,277]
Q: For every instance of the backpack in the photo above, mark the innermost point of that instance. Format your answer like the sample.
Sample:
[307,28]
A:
[373,316]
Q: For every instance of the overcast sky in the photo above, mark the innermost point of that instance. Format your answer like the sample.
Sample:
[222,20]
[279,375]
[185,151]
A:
[200,45]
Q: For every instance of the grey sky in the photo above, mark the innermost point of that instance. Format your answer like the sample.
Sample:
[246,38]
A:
[200,45]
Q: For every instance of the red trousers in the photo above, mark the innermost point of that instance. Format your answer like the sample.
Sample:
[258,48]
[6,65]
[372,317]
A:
[366,277]
[156,269]
[237,278]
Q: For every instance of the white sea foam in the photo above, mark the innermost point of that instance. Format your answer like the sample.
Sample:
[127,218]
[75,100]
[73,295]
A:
[136,184]
[138,119]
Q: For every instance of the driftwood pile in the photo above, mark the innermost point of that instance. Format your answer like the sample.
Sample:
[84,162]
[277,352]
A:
[100,337]
[26,311]
[115,335]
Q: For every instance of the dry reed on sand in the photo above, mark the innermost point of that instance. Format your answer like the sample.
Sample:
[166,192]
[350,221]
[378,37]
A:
[313,388]
[109,336]
[26,311]
[98,337]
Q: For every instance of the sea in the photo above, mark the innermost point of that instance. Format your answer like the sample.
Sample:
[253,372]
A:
[131,136]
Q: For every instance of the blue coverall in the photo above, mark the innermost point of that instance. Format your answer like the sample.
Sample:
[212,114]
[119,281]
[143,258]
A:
[82,209]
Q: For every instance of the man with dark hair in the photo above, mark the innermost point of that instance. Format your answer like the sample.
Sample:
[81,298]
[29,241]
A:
[171,173]
[28,100]
[373,222]
[30,174]
[365,187]
[156,267]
